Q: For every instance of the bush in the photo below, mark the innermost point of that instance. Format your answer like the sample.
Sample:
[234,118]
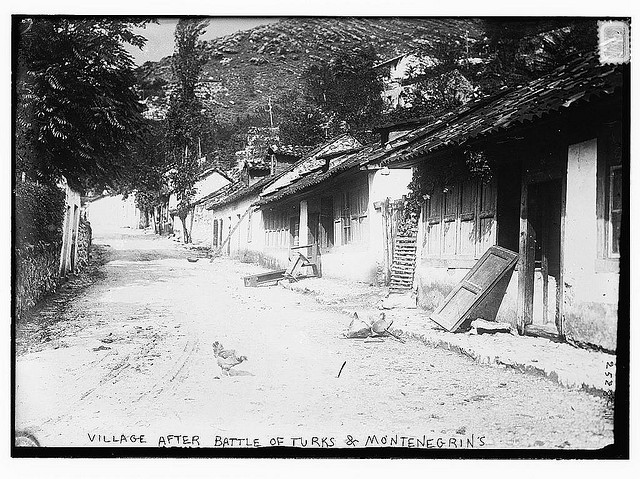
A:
[39,214]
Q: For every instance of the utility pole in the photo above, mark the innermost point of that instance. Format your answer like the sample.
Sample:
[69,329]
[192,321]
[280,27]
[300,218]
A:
[270,110]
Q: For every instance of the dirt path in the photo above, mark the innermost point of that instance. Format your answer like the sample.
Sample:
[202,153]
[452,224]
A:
[131,354]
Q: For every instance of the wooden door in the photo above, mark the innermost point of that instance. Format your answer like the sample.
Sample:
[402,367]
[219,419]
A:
[458,307]
[542,269]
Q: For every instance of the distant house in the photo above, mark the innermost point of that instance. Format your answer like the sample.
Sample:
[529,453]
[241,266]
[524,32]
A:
[400,74]
[333,204]
[209,182]
[237,221]
[108,213]
[557,149]
[327,201]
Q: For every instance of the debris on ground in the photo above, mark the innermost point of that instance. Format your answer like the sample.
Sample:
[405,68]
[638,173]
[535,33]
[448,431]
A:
[481,326]
[375,325]
[192,260]
[261,279]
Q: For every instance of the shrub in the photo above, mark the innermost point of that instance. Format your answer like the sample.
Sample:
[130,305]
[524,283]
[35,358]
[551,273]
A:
[39,214]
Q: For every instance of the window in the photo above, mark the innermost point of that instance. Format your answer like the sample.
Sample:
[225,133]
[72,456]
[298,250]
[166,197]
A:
[215,233]
[346,218]
[326,222]
[351,216]
[609,196]
[459,220]
[294,229]
[249,226]
[276,228]
[615,210]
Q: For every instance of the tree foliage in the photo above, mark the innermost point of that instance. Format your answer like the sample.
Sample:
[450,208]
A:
[77,112]
[455,69]
[146,175]
[39,214]
[340,94]
[302,123]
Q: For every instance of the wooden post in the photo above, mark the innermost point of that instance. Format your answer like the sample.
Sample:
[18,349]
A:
[303,228]
[385,238]
[560,279]
[525,262]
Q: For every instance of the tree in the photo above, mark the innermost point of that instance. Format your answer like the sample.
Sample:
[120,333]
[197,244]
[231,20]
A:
[342,94]
[185,121]
[76,111]
[146,175]
[302,123]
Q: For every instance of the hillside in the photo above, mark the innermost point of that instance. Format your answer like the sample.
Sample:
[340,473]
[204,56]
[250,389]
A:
[247,67]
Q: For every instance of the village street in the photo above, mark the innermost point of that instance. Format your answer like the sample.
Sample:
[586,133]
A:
[126,350]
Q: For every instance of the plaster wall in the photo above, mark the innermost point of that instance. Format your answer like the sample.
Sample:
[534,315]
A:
[113,212]
[591,296]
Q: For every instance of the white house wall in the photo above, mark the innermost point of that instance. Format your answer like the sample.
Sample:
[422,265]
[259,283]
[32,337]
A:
[360,260]
[201,223]
[591,296]
[240,240]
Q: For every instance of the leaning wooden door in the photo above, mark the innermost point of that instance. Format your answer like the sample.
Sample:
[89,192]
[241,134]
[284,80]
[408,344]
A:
[494,265]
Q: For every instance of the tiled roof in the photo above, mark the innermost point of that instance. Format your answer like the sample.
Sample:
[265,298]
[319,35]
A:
[213,169]
[235,191]
[291,150]
[312,161]
[239,190]
[577,81]
[337,164]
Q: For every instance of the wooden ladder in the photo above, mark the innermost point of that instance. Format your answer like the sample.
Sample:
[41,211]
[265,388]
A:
[404,264]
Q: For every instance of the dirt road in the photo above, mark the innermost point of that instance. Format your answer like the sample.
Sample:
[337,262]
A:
[127,352]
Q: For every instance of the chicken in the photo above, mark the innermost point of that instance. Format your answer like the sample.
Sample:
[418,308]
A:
[227,358]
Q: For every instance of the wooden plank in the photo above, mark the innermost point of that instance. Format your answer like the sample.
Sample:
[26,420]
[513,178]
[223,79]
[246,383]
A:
[560,279]
[405,264]
[255,280]
[548,331]
[523,268]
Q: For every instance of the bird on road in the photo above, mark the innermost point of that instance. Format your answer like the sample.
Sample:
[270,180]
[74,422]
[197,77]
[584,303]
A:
[227,358]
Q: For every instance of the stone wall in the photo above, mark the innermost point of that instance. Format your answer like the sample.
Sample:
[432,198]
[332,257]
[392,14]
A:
[36,275]
[84,244]
[37,269]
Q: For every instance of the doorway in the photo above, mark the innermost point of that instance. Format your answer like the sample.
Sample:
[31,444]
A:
[325,224]
[543,269]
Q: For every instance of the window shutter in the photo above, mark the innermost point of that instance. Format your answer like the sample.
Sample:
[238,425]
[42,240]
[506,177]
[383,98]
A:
[467,235]
[449,224]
